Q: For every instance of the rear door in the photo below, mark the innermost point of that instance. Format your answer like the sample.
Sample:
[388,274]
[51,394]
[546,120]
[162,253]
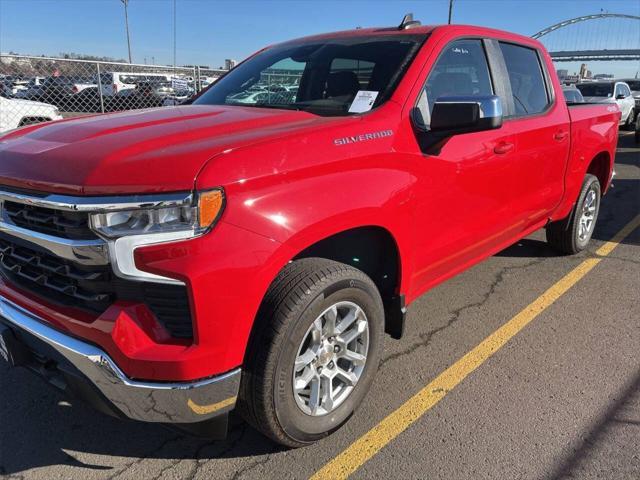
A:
[539,120]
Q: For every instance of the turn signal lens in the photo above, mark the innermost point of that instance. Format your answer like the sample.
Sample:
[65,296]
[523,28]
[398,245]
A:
[209,207]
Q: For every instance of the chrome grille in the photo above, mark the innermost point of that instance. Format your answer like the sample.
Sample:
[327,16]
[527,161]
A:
[64,262]
[55,278]
[60,223]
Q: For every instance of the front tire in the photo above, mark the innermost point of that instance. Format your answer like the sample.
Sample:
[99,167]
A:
[630,123]
[572,234]
[314,353]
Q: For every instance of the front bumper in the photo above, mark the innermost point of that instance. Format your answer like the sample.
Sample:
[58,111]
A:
[88,371]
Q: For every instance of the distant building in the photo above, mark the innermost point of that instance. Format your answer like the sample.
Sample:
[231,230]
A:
[563,73]
[603,76]
[229,63]
[583,70]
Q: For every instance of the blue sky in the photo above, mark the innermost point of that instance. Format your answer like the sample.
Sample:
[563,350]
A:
[208,31]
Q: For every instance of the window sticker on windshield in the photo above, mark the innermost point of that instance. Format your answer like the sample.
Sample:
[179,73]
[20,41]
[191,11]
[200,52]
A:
[363,102]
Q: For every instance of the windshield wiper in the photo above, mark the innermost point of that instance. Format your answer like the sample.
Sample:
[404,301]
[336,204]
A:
[277,106]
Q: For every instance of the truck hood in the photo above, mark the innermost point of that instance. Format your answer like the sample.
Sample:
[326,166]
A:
[148,151]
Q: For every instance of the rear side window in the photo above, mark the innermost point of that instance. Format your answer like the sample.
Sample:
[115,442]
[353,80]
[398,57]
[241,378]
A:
[461,70]
[527,82]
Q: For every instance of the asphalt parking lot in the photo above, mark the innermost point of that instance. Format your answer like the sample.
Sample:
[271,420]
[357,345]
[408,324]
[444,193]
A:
[561,399]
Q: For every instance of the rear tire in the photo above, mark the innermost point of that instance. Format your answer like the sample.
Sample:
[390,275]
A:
[572,234]
[273,391]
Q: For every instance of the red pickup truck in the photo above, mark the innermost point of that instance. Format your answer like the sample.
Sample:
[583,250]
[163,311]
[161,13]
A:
[251,248]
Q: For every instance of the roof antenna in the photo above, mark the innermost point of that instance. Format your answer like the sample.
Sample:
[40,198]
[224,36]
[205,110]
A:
[408,22]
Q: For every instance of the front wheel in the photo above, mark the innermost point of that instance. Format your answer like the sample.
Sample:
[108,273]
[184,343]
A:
[630,123]
[572,234]
[315,352]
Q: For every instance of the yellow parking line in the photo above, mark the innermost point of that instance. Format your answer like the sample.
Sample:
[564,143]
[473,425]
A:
[397,422]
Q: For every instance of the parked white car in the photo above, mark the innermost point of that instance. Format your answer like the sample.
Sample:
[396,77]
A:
[33,84]
[611,92]
[114,83]
[634,85]
[16,113]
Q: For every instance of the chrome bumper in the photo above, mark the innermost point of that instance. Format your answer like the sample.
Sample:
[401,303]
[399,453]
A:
[179,402]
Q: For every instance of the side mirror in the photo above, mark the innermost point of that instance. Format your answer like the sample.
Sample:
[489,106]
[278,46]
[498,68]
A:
[458,115]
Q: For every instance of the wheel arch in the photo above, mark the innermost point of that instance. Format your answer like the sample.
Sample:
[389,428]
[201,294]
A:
[374,250]
[600,166]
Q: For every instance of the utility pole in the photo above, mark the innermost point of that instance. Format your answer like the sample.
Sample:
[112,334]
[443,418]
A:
[174,37]
[126,23]
[450,10]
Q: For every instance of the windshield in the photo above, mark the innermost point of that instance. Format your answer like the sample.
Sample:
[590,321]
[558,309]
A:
[573,95]
[595,89]
[337,76]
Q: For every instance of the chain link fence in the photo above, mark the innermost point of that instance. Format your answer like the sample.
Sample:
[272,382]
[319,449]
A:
[37,89]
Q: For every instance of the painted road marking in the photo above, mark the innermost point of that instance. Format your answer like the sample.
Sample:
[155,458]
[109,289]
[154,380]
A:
[397,422]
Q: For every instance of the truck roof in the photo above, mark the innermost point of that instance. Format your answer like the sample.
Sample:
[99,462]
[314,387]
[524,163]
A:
[416,30]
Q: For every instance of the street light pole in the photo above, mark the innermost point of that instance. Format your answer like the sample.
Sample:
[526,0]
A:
[126,22]
[450,10]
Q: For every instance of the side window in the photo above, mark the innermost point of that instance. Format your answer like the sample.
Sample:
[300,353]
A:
[618,91]
[525,75]
[461,70]
[626,91]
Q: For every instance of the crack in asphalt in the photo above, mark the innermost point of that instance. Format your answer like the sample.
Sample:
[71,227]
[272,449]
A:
[139,460]
[250,467]
[242,429]
[613,257]
[198,452]
[426,337]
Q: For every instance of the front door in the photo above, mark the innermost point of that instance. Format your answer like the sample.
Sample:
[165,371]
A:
[463,194]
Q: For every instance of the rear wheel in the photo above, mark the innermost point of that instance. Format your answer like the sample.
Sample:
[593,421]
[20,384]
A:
[572,234]
[315,353]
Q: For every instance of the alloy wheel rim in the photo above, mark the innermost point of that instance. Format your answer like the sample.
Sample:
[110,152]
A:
[331,358]
[588,215]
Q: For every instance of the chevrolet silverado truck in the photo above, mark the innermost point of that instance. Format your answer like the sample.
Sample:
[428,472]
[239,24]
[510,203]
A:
[174,264]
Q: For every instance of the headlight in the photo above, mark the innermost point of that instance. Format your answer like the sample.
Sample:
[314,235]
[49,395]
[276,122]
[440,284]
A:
[148,221]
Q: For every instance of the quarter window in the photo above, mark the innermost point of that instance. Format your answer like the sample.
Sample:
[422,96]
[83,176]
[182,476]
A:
[461,70]
[527,82]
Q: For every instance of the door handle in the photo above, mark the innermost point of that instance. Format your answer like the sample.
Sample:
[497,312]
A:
[503,147]
[560,136]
